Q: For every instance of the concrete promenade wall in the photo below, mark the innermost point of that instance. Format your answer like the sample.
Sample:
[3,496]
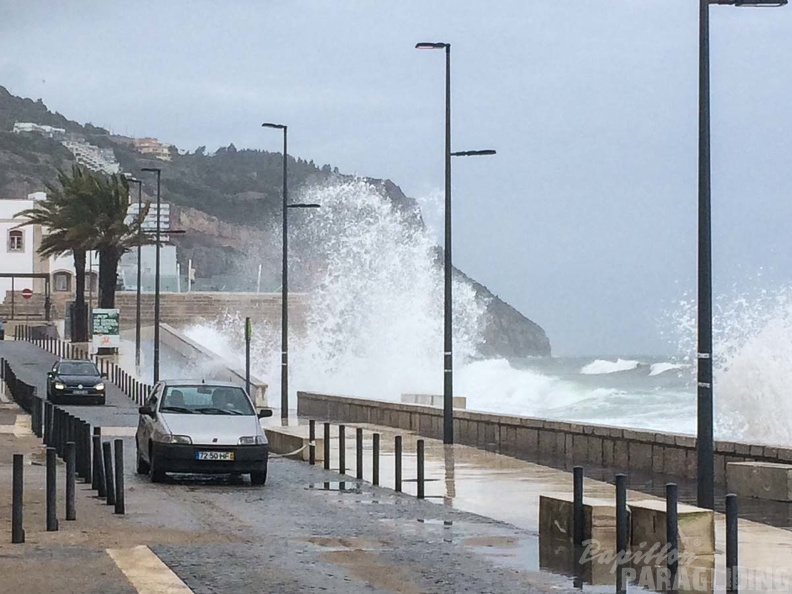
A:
[623,449]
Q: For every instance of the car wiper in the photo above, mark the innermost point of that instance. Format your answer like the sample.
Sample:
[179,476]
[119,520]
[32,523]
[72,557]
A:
[181,409]
[210,410]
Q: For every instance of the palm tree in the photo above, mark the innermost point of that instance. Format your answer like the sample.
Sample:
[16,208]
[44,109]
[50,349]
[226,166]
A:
[107,203]
[68,230]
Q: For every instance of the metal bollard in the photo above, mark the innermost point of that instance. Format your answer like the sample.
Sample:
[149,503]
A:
[311,442]
[107,457]
[341,449]
[47,423]
[672,531]
[397,458]
[375,461]
[420,463]
[359,453]
[578,518]
[52,519]
[327,446]
[732,545]
[17,531]
[118,444]
[621,529]
[98,483]
[71,459]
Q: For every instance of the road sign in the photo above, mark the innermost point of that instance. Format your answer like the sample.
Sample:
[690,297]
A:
[27,293]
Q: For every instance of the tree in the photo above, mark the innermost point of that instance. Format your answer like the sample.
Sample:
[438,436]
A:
[68,230]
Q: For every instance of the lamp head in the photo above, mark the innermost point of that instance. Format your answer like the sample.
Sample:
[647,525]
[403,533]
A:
[157,169]
[751,3]
[276,126]
[432,45]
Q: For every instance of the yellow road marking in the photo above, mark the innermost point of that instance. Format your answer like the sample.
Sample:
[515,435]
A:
[146,572]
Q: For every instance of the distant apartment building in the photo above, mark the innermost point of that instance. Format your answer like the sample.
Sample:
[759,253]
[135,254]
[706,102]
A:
[49,131]
[93,157]
[154,148]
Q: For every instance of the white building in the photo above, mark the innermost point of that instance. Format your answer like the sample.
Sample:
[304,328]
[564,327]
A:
[93,157]
[50,131]
[19,252]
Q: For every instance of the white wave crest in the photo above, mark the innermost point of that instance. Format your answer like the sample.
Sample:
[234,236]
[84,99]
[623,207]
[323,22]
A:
[601,366]
[658,368]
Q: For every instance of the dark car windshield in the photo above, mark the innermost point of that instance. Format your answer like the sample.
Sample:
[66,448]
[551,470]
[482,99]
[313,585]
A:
[78,368]
[207,400]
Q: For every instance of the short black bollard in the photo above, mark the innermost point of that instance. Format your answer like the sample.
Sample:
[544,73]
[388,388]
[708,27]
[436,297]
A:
[375,461]
[621,529]
[672,532]
[17,531]
[327,446]
[311,442]
[71,460]
[397,459]
[107,457]
[52,514]
[578,518]
[420,464]
[47,422]
[341,449]
[118,444]
[732,545]
[359,453]
[98,482]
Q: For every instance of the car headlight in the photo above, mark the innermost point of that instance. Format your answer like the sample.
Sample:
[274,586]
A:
[60,386]
[252,440]
[99,386]
[182,439]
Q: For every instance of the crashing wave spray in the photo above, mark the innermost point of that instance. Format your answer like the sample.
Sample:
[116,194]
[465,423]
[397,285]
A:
[752,339]
[373,323]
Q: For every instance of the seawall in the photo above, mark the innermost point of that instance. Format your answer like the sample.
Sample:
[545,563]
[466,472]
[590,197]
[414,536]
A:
[526,437]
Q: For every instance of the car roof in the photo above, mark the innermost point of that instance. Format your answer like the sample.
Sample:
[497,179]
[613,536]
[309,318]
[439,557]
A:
[198,382]
[76,361]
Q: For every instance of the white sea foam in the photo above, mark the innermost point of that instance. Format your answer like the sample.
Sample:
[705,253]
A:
[601,366]
[658,368]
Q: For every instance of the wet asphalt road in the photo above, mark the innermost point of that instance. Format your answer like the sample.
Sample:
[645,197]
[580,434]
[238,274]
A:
[302,533]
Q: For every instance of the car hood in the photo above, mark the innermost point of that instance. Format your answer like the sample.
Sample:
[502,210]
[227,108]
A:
[73,380]
[212,429]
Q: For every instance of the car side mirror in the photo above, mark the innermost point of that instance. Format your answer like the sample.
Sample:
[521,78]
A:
[50,373]
[146,410]
[265,412]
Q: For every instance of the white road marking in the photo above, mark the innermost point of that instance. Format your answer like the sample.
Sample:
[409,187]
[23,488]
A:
[146,572]
[3,398]
[119,431]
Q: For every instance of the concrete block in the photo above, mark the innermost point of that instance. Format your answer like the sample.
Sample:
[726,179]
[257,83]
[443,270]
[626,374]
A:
[555,519]
[621,455]
[435,400]
[579,451]
[757,451]
[594,450]
[286,440]
[658,458]
[762,480]
[675,461]
[648,526]
[742,449]
[607,452]
[640,456]
[547,444]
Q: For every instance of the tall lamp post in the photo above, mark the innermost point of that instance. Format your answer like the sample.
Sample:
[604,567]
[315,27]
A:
[705,457]
[285,272]
[158,171]
[137,296]
[448,369]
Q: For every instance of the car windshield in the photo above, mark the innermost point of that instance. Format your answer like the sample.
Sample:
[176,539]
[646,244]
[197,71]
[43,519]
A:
[207,400]
[78,368]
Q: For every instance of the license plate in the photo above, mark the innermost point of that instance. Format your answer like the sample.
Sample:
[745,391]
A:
[80,392]
[214,455]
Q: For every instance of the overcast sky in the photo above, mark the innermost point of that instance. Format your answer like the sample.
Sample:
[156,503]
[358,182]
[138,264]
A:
[586,218]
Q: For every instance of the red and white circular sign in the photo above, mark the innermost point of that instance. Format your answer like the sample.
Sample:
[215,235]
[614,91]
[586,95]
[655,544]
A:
[27,293]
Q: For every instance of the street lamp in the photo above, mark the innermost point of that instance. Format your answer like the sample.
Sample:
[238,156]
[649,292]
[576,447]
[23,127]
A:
[137,296]
[705,455]
[448,369]
[158,171]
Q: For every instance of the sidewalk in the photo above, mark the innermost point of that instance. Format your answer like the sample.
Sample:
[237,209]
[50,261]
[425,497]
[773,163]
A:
[508,489]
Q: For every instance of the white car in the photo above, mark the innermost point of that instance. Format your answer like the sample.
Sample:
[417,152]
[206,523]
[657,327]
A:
[189,426]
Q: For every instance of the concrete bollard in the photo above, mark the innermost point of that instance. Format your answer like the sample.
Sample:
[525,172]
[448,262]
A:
[51,505]
[327,446]
[621,529]
[311,442]
[71,460]
[397,459]
[120,504]
[359,453]
[672,531]
[420,464]
[107,458]
[375,461]
[578,519]
[341,449]
[732,545]
[17,530]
